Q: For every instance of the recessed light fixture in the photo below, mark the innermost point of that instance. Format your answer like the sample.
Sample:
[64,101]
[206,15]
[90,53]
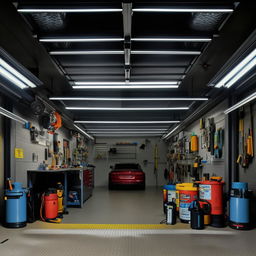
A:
[14,76]
[238,71]
[12,116]
[171,39]
[241,103]
[65,10]
[128,135]
[128,83]
[171,132]
[221,10]
[125,109]
[81,39]
[85,52]
[127,99]
[83,132]
[125,122]
[166,52]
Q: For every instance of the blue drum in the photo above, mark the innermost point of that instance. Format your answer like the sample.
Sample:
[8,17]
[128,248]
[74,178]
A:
[16,206]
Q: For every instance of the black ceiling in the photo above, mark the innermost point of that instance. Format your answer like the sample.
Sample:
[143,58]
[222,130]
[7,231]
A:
[193,71]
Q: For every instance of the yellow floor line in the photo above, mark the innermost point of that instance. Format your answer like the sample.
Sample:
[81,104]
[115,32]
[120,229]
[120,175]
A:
[107,226]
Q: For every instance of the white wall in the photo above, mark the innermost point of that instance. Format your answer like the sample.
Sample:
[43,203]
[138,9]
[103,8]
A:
[102,166]
[249,174]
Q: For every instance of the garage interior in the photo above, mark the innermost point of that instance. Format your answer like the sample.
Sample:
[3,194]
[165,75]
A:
[127,127]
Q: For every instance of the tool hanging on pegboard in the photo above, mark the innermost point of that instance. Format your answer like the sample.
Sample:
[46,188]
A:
[212,130]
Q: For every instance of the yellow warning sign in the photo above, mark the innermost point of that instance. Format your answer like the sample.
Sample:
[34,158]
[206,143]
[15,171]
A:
[19,153]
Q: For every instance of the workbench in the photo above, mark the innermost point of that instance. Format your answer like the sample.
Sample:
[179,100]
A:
[80,178]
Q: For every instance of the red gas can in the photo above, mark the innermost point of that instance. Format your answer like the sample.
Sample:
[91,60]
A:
[51,204]
[212,191]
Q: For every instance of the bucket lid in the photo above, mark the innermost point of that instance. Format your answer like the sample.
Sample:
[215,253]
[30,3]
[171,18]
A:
[186,186]
[169,187]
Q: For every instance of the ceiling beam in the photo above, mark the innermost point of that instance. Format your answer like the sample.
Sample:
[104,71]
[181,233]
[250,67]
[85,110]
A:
[127,26]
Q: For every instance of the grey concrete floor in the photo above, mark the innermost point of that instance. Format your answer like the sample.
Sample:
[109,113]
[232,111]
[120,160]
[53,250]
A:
[125,207]
[119,206]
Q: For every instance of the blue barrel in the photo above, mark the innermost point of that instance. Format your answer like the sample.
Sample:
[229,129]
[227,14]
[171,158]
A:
[16,206]
[239,206]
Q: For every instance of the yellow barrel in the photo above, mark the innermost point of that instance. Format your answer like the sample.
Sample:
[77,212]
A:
[183,187]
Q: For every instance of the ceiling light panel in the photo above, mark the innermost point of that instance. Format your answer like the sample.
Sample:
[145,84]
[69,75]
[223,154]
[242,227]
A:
[126,122]
[129,87]
[83,132]
[125,109]
[126,99]
[136,52]
[171,39]
[209,10]
[70,40]
[85,52]
[14,76]
[67,10]
[238,71]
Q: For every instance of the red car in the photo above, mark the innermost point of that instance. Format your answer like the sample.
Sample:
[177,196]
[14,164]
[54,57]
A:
[126,176]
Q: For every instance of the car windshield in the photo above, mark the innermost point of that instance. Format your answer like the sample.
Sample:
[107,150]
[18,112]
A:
[127,166]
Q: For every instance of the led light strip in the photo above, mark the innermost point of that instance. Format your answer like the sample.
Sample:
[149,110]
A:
[14,76]
[171,132]
[127,99]
[83,132]
[221,10]
[136,39]
[241,103]
[85,52]
[125,86]
[171,39]
[65,10]
[144,132]
[125,109]
[167,52]
[12,116]
[128,83]
[125,122]
[238,71]
[128,135]
[59,40]
[142,129]
[122,52]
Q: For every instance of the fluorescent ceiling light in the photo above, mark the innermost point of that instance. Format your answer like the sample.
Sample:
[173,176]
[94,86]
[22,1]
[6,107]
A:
[127,132]
[238,71]
[84,52]
[128,83]
[225,10]
[241,103]
[12,116]
[141,129]
[127,99]
[171,39]
[128,135]
[86,39]
[167,52]
[14,76]
[126,122]
[56,10]
[171,132]
[83,132]
[125,109]
[125,86]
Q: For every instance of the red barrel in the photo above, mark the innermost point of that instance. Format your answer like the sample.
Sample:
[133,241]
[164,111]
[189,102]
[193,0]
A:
[212,191]
[51,204]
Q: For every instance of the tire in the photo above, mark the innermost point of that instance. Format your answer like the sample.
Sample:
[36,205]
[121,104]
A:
[110,186]
[143,186]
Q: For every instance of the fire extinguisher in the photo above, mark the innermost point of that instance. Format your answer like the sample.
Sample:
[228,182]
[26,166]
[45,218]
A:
[49,206]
